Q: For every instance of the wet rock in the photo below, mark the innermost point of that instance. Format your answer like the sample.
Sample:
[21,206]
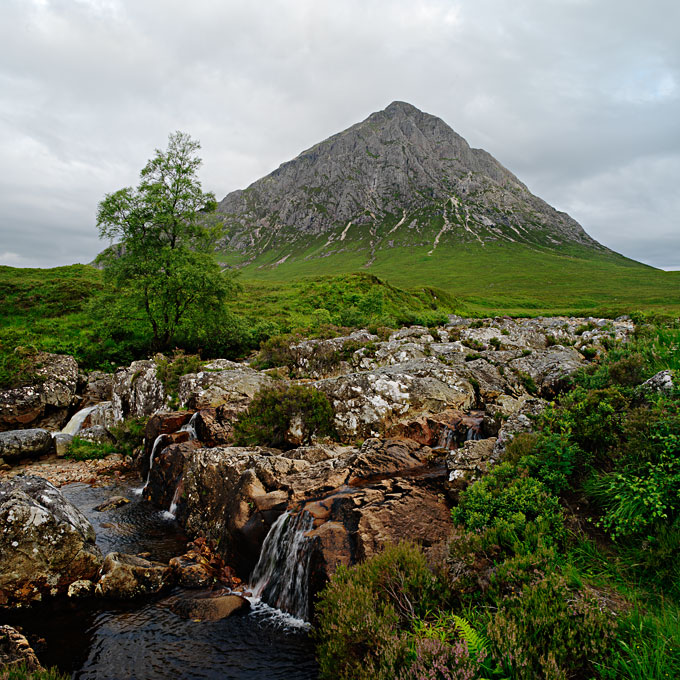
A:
[15,651]
[45,541]
[215,426]
[137,391]
[98,388]
[367,403]
[201,566]
[81,588]
[44,403]
[18,444]
[209,389]
[112,503]
[127,576]
[443,430]
[168,469]
[211,606]
[661,382]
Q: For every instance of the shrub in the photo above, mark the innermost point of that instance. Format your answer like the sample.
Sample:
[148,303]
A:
[365,611]
[550,631]
[129,435]
[23,673]
[274,410]
[170,370]
[507,498]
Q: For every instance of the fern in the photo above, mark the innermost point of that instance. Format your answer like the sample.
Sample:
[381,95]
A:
[478,646]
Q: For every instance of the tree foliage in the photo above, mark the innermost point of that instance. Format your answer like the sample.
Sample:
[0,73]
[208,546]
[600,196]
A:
[162,263]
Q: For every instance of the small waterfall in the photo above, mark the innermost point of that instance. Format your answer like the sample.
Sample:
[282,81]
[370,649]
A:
[447,438]
[473,434]
[190,427]
[156,444]
[281,576]
[77,419]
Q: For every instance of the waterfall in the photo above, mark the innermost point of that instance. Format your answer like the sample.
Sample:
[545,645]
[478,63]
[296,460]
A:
[473,434]
[447,438]
[73,426]
[281,576]
[156,444]
[190,427]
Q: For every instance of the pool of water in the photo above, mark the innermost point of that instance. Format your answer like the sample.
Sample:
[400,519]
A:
[145,640]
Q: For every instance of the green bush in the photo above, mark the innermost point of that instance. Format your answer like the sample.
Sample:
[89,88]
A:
[170,370]
[550,631]
[129,435]
[508,498]
[366,611]
[274,410]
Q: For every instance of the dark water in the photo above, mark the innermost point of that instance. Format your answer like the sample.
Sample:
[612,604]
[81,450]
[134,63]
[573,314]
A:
[146,640]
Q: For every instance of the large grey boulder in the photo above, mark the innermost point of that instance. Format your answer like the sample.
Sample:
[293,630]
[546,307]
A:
[660,382]
[236,386]
[137,391]
[550,369]
[367,403]
[18,444]
[44,403]
[46,543]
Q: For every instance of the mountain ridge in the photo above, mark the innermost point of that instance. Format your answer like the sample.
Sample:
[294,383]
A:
[399,178]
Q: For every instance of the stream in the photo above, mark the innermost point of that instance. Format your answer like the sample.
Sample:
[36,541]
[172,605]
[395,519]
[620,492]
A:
[144,640]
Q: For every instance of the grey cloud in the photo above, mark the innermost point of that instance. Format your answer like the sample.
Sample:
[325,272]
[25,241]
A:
[579,98]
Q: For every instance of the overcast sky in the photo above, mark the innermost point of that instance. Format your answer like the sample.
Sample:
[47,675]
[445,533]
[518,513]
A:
[579,98]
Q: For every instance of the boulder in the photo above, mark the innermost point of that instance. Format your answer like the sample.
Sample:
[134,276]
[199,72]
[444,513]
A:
[45,403]
[166,474]
[97,434]
[98,388]
[209,389]
[18,444]
[62,443]
[215,426]
[102,414]
[137,391]
[366,404]
[469,462]
[45,541]
[209,606]
[15,651]
[549,369]
[126,576]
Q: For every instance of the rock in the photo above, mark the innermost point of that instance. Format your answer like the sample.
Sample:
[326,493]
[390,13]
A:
[97,434]
[236,387]
[215,426]
[549,369]
[62,443]
[46,402]
[18,444]
[520,421]
[167,472]
[15,651]
[45,541]
[112,503]
[368,403]
[82,588]
[102,415]
[470,461]
[443,430]
[211,606]
[127,576]
[137,391]
[98,388]
[201,566]
[661,382]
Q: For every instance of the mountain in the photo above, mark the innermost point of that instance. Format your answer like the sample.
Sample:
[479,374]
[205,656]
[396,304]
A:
[401,179]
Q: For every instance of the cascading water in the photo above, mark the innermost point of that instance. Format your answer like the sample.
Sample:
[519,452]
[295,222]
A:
[473,434]
[154,448]
[73,426]
[447,438]
[190,427]
[281,576]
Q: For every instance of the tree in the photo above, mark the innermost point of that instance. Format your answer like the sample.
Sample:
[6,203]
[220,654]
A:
[163,263]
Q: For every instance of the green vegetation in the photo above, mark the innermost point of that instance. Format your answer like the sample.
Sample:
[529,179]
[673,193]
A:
[563,560]
[274,411]
[23,673]
[82,449]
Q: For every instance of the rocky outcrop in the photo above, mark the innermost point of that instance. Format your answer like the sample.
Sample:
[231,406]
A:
[235,386]
[137,391]
[16,445]
[365,404]
[97,388]
[549,369]
[125,577]
[45,403]
[522,420]
[45,541]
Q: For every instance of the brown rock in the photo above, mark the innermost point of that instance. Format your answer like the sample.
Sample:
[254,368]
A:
[15,650]
[208,607]
[127,576]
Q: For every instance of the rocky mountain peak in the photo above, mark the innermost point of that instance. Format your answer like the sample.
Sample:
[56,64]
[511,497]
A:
[400,178]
